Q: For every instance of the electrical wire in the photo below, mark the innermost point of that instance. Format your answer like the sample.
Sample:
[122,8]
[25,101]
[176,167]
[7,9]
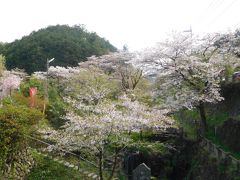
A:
[216,18]
[213,5]
[43,142]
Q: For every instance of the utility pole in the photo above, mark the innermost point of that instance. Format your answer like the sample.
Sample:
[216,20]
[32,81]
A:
[190,31]
[46,85]
[191,35]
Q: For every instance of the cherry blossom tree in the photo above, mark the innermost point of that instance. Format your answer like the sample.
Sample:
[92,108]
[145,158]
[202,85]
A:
[116,65]
[129,77]
[190,71]
[99,114]
[94,121]
[120,66]
[108,126]
[109,63]
[229,49]
[9,82]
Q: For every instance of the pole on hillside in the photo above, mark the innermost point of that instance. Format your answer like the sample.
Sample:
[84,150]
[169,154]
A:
[46,85]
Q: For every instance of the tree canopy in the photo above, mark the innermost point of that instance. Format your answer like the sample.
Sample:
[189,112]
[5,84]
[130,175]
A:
[68,45]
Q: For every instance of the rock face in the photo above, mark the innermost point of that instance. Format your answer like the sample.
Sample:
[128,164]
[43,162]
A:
[229,134]
[20,165]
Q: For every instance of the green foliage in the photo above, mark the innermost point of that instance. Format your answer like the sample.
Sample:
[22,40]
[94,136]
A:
[24,117]
[228,71]
[68,45]
[143,145]
[211,136]
[149,148]
[2,48]
[143,136]
[33,102]
[9,135]
[15,122]
[143,92]
[189,121]
[217,119]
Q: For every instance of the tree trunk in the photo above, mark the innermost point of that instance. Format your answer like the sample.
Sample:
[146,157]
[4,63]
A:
[141,135]
[101,165]
[201,108]
[114,165]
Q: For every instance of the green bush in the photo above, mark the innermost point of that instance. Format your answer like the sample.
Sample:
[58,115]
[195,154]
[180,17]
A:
[15,123]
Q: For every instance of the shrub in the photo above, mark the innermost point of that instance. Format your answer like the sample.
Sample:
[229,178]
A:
[15,122]
[33,102]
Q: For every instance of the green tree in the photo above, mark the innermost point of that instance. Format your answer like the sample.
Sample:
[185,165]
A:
[3,47]
[2,64]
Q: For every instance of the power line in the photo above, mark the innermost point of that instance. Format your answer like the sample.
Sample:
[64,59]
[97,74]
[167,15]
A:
[43,142]
[218,4]
[213,5]
[214,20]
[237,25]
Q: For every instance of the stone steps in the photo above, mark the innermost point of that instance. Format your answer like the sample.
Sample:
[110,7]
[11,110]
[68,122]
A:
[88,174]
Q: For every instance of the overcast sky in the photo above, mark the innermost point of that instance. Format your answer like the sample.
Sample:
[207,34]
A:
[137,23]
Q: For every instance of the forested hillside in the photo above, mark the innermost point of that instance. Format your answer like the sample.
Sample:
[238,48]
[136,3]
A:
[68,45]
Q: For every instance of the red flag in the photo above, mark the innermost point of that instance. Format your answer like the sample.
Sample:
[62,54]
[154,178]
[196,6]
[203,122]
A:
[32,91]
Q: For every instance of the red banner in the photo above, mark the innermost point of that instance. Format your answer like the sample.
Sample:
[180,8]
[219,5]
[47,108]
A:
[32,91]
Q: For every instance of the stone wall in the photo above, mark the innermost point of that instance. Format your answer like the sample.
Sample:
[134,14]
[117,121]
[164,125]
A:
[20,166]
[219,153]
[212,163]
